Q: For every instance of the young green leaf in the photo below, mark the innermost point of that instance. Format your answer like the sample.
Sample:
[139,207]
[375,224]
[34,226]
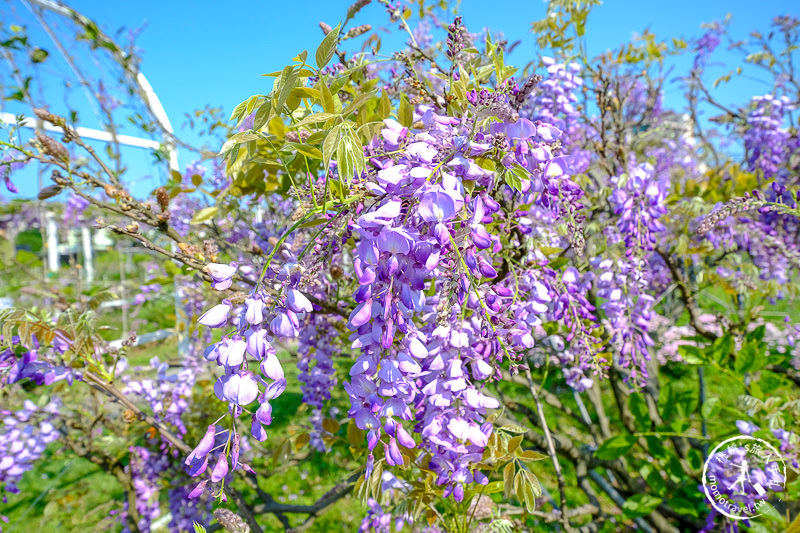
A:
[615,447]
[327,47]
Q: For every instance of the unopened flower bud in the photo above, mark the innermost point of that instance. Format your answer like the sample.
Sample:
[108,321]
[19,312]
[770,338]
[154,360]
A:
[230,521]
[326,29]
[162,197]
[358,30]
[47,116]
[356,7]
[52,147]
[49,192]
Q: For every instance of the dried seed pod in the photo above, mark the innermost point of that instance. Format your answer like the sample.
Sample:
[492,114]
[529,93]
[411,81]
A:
[111,191]
[336,272]
[133,227]
[52,147]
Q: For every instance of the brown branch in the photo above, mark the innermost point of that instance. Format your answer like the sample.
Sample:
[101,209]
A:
[551,450]
[687,294]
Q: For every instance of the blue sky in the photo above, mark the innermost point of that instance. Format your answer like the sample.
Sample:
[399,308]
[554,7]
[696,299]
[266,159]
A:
[203,52]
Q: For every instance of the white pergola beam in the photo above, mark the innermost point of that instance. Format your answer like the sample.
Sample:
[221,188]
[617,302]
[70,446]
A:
[85,133]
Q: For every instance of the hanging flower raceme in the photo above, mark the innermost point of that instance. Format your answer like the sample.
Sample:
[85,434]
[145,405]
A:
[262,318]
[424,357]
[316,348]
[639,201]
[24,435]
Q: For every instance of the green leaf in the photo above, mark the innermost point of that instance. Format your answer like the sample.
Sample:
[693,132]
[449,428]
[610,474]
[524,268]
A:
[757,334]
[405,114]
[655,446]
[305,149]
[38,55]
[515,175]
[695,459]
[512,428]
[262,116]
[316,118]
[530,455]
[327,47]
[745,358]
[288,83]
[508,478]
[350,155]
[386,106]
[653,478]
[639,410]
[641,504]
[198,528]
[330,143]
[25,257]
[238,111]
[305,92]
[326,98]
[615,447]
[710,408]
[525,485]
[494,487]
[205,214]
[357,102]
[722,348]
[236,139]
[683,506]
[692,355]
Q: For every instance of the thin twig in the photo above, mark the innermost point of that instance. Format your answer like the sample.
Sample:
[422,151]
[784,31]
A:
[551,450]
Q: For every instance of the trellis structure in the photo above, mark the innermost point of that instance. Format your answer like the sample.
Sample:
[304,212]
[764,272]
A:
[153,104]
